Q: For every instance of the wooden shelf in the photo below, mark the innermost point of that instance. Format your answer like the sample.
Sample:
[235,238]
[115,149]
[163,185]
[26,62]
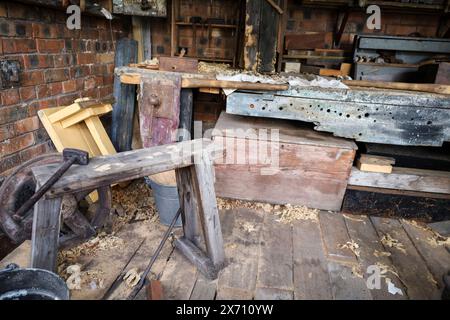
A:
[212,59]
[212,25]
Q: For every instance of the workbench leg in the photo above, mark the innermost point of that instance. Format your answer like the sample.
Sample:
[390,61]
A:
[45,235]
[188,191]
[209,215]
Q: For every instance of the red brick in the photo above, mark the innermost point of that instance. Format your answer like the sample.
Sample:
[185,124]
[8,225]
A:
[26,125]
[37,61]
[80,71]
[67,99]
[10,97]
[9,28]
[105,58]
[6,131]
[49,90]
[34,151]
[109,79]
[27,93]
[86,58]
[50,46]
[47,103]
[16,144]
[31,78]
[18,46]
[69,86]
[105,91]
[46,31]
[54,75]
[89,83]
[64,60]
[9,162]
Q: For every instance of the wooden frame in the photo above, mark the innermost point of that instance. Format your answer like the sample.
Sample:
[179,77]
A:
[192,161]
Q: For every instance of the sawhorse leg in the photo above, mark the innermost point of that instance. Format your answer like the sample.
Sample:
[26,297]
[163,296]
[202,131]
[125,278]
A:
[198,199]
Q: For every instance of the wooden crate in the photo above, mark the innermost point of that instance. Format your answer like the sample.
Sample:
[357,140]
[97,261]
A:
[313,167]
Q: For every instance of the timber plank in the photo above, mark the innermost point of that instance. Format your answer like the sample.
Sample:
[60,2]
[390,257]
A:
[273,294]
[153,233]
[204,289]
[345,284]
[361,231]
[411,268]
[242,250]
[335,234]
[178,278]
[437,258]
[311,278]
[275,260]
[20,256]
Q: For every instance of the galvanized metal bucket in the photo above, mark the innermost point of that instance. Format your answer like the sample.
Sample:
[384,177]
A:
[166,200]
[31,284]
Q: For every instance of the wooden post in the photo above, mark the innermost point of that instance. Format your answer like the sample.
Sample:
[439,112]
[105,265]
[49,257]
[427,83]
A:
[45,234]
[123,109]
[209,215]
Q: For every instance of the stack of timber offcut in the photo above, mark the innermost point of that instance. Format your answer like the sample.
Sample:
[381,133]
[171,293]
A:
[300,166]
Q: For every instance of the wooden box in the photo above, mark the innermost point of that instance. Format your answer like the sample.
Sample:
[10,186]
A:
[312,167]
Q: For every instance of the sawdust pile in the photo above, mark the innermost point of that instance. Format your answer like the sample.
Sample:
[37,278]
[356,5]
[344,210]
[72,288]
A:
[208,67]
[351,245]
[390,242]
[380,254]
[384,269]
[133,203]
[356,271]
[101,242]
[287,213]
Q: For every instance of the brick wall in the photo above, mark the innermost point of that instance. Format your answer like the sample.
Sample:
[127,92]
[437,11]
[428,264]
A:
[306,20]
[57,66]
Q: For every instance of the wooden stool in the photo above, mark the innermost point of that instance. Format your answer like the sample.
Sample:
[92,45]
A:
[192,161]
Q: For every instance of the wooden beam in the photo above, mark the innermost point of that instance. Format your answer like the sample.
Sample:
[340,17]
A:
[124,166]
[403,179]
[275,6]
[422,87]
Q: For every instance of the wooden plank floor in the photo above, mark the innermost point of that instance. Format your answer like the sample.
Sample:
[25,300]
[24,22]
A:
[327,258]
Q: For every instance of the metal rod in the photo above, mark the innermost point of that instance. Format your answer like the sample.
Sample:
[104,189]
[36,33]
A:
[18,216]
[141,283]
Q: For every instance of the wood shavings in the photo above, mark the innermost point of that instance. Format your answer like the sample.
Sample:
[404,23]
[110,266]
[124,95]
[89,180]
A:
[352,246]
[435,240]
[431,279]
[380,254]
[390,242]
[208,67]
[349,217]
[77,279]
[132,277]
[133,203]
[384,269]
[357,272]
[249,227]
[288,213]
[99,243]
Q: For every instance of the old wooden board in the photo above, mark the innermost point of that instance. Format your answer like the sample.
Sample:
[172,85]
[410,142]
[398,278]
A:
[124,166]
[405,118]
[411,268]
[178,278]
[436,256]
[275,268]
[311,278]
[403,179]
[242,232]
[110,263]
[335,235]
[371,253]
[345,284]
[204,289]
[20,256]
[153,233]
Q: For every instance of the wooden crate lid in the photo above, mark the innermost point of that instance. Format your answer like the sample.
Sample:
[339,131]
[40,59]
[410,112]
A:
[290,131]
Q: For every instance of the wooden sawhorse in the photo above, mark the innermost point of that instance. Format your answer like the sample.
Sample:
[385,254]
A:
[192,161]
